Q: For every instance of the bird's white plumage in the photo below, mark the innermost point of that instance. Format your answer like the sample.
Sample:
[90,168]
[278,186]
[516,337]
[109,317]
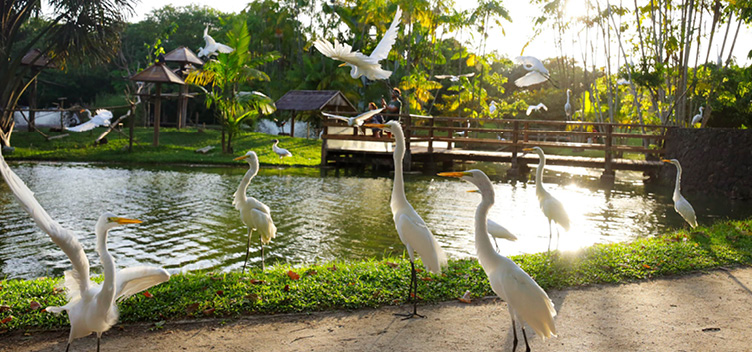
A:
[681,205]
[697,118]
[455,78]
[360,64]
[355,120]
[552,208]
[130,281]
[537,73]
[536,108]
[568,106]
[492,107]
[211,47]
[253,213]
[498,231]
[102,118]
[282,152]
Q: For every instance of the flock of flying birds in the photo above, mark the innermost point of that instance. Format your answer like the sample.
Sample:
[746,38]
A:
[92,307]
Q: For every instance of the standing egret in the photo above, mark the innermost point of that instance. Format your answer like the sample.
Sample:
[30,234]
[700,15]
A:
[102,118]
[361,65]
[537,73]
[254,214]
[498,231]
[411,228]
[282,152]
[211,47]
[356,121]
[536,108]
[526,301]
[91,307]
[552,207]
[568,106]
[697,118]
[453,78]
[681,205]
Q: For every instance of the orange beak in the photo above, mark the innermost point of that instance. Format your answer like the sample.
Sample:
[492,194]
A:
[457,174]
[124,221]
[241,157]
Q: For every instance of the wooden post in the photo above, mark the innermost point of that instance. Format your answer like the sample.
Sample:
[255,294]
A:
[324,143]
[408,134]
[292,125]
[609,176]
[430,135]
[450,135]
[525,132]
[514,171]
[33,105]
[132,125]
[157,112]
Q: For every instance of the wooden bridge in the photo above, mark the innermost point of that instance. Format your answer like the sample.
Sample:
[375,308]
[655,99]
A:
[432,140]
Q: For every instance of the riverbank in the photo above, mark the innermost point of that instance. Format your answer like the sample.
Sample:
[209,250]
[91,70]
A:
[372,283]
[176,147]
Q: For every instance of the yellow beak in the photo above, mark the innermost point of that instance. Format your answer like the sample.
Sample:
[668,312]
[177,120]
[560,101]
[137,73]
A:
[375,125]
[665,160]
[124,221]
[454,174]
[528,149]
[241,157]
[473,191]
[342,64]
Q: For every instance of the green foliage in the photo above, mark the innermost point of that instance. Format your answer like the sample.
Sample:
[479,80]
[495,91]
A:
[370,283]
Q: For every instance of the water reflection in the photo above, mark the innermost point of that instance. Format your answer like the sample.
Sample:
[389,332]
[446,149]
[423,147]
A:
[189,222]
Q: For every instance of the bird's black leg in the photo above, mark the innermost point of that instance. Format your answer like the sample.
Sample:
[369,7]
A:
[514,331]
[413,287]
[67,347]
[527,347]
[496,243]
[99,337]
[247,250]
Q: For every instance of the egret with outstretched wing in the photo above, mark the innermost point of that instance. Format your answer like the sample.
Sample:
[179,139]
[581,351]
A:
[211,47]
[102,118]
[453,78]
[535,108]
[355,120]
[537,73]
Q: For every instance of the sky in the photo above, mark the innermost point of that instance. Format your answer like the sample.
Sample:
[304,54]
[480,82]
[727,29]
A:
[518,32]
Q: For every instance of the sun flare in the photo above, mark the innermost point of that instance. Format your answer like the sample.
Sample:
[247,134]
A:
[575,8]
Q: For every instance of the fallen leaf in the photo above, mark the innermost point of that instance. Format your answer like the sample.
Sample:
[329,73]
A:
[257,282]
[209,311]
[148,295]
[191,308]
[426,279]
[220,292]
[391,265]
[311,272]
[466,298]
[418,270]
[34,305]
[4,308]
[6,320]
[333,268]
[293,275]
[646,266]
[287,288]
[252,297]
[216,278]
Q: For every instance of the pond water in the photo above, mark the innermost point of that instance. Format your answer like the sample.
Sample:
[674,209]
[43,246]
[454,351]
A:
[189,222]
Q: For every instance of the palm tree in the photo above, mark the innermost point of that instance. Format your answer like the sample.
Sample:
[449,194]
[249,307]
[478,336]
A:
[84,30]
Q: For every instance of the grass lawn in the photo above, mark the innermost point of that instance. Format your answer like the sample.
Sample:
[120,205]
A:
[174,147]
[372,283]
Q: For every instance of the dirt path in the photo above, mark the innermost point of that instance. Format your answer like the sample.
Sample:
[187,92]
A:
[700,312]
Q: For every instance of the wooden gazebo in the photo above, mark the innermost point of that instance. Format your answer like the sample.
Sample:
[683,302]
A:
[37,61]
[158,74]
[184,57]
[313,100]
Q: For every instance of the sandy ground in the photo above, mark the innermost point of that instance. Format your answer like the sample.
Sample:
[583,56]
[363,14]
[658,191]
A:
[700,312]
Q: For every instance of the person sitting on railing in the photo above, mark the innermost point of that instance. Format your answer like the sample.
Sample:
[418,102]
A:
[376,119]
[394,106]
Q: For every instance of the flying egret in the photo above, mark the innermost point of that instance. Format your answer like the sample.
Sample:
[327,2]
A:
[498,231]
[91,307]
[211,47]
[568,106]
[411,228]
[102,118]
[526,300]
[360,64]
[681,205]
[535,108]
[282,152]
[254,214]
[697,118]
[536,72]
[453,78]
[552,207]
[356,121]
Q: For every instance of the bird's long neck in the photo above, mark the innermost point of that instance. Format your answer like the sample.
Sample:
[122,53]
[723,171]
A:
[677,187]
[567,96]
[107,293]
[539,175]
[243,186]
[398,189]
[486,254]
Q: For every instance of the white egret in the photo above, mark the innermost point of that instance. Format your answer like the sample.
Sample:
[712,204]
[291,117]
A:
[568,106]
[535,108]
[552,207]
[356,121]
[411,228]
[697,118]
[360,64]
[498,231]
[282,152]
[91,307]
[622,82]
[453,78]
[681,205]
[254,214]
[526,300]
[463,133]
[537,73]
[492,108]
[211,47]
[102,118]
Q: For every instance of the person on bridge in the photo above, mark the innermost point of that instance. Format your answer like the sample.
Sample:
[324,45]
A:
[375,119]
[394,107]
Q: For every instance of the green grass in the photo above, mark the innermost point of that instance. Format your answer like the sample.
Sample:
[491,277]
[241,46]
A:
[372,283]
[174,147]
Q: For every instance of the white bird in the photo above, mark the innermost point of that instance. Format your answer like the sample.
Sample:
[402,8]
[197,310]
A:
[91,307]
[211,47]
[356,121]
[498,231]
[492,108]
[536,72]
[622,82]
[102,118]
[535,108]
[697,118]
[453,78]
[462,133]
[681,205]
[282,152]
[552,207]
[360,64]
[254,214]
[568,106]
[411,228]
[526,300]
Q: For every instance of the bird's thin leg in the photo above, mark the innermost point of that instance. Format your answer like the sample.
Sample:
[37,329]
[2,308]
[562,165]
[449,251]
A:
[496,243]
[527,347]
[263,266]
[514,331]
[99,338]
[413,287]
[549,235]
[67,347]
[557,237]
[247,249]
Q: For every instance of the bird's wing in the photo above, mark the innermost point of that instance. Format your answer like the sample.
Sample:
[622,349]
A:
[64,238]
[498,231]
[532,77]
[367,115]
[86,126]
[210,43]
[530,109]
[543,106]
[130,281]
[531,63]
[467,74]
[385,45]
[264,224]
[442,76]
[338,117]
[222,48]
[529,301]
[553,209]
[413,231]
[685,209]
[342,52]
[697,119]
[104,113]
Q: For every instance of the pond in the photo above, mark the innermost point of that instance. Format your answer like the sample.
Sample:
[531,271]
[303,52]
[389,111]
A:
[189,222]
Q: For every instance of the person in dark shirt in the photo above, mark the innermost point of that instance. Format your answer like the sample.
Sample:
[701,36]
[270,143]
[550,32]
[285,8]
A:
[394,106]
[377,119]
